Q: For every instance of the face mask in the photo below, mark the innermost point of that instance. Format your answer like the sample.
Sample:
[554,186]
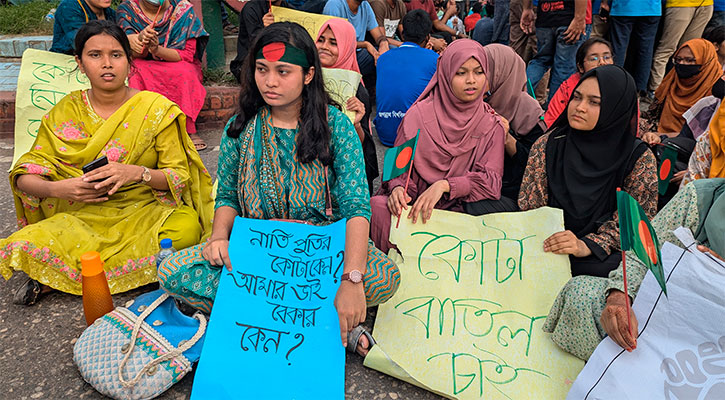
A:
[155,2]
[718,89]
[685,71]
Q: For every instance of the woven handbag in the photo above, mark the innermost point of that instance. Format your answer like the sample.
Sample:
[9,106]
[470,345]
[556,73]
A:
[165,344]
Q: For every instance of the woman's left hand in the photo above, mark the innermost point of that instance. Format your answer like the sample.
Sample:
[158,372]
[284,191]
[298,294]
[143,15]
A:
[351,307]
[427,201]
[355,105]
[678,176]
[566,243]
[114,175]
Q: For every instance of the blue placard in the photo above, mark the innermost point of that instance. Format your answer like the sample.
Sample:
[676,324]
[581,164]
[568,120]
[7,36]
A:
[273,331]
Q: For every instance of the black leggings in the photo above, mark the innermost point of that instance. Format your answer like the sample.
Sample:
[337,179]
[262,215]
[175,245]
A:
[483,207]
[593,266]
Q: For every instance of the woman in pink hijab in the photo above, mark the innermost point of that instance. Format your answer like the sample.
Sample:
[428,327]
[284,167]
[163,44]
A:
[336,43]
[458,163]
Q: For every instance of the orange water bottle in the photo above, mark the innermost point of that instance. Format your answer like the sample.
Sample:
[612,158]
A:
[97,300]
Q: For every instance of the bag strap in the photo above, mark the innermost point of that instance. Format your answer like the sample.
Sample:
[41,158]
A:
[328,197]
[173,353]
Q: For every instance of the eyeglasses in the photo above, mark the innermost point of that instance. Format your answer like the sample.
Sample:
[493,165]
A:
[604,58]
[684,60]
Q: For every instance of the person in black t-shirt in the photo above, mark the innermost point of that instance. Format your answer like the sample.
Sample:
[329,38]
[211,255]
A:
[560,29]
[254,16]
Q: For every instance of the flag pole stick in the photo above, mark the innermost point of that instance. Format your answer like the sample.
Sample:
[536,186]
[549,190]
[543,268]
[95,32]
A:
[153,24]
[407,180]
[624,275]
[626,293]
[405,191]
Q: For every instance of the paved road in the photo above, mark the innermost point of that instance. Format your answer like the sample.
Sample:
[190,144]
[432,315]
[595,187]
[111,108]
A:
[36,343]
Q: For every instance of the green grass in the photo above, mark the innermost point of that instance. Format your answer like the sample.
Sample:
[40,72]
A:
[27,18]
[218,76]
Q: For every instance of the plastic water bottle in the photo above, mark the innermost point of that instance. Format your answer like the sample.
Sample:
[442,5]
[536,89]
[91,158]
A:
[97,300]
[166,251]
[50,16]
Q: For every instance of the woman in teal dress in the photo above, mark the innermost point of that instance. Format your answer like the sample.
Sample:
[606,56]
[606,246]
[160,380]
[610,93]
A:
[289,154]
[71,15]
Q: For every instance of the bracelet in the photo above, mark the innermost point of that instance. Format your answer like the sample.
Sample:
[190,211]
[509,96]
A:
[380,40]
[210,240]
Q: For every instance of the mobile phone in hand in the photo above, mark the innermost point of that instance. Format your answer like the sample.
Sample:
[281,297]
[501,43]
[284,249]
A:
[95,164]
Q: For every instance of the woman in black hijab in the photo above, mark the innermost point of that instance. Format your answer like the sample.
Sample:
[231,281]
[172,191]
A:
[588,153]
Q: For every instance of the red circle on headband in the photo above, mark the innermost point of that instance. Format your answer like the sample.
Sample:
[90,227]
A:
[273,51]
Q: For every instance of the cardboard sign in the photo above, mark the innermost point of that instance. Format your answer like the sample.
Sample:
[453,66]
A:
[474,294]
[274,331]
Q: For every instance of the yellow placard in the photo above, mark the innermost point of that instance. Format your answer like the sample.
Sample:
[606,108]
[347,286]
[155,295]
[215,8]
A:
[44,79]
[466,320]
[341,84]
[309,21]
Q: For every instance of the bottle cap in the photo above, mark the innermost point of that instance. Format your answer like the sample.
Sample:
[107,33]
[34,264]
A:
[91,263]
[166,243]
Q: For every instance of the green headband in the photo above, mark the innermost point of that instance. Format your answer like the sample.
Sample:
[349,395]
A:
[284,52]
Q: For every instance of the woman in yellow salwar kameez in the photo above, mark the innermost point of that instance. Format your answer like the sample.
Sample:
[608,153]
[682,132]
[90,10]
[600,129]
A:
[155,185]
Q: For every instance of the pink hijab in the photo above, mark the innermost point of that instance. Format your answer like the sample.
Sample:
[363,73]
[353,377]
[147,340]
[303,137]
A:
[346,43]
[451,129]
[507,77]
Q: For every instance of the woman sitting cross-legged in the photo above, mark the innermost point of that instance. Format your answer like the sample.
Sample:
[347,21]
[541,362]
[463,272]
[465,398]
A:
[289,154]
[590,151]
[590,307]
[458,161]
[154,186]
[168,53]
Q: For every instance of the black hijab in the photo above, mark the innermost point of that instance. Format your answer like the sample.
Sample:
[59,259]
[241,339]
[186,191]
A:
[584,168]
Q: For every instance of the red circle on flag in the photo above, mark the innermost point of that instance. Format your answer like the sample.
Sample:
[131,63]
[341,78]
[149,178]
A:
[273,51]
[645,237]
[403,157]
[665,169]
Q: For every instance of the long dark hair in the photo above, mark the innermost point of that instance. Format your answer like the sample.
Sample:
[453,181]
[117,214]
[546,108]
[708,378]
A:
[313,140]
[99,27]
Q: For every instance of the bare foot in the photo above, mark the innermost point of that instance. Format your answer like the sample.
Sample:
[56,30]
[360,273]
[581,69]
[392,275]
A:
[198,142]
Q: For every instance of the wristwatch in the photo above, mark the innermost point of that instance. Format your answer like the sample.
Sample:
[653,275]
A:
[146,175]
[353,276]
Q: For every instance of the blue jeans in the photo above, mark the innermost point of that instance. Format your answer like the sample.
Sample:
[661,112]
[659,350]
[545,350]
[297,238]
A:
[553,52]
[501,22]
[366,62]
[638,32]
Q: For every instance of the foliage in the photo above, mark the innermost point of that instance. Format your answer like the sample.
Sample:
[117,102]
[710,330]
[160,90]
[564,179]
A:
[26,18]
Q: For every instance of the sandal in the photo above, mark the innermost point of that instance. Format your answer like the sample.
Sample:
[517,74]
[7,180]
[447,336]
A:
[353,338]
[28,293]
[230,29]
[198,142]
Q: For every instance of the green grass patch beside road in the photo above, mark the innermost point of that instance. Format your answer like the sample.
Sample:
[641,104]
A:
[26,18]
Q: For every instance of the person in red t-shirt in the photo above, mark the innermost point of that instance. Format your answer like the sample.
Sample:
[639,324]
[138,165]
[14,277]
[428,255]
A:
[470,21]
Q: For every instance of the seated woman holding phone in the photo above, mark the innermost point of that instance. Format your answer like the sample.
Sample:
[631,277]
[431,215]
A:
[111,170]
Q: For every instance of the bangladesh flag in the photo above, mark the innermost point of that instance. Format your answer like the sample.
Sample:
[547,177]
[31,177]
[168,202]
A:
[399,159]
[667,166]
[636,234]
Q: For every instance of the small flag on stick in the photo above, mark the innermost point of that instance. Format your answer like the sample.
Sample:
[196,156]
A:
[667,166]
[398,160]
[636,234]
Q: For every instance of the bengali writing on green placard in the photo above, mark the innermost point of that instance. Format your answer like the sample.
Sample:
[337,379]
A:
[44,79]
[474,294]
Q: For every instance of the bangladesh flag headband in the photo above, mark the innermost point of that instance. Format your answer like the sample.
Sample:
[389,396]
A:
[279,51]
